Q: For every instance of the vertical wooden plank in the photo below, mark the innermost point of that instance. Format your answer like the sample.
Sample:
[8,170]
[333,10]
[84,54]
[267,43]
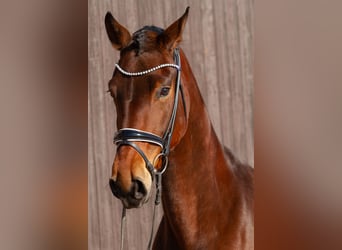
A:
[230,136]
[98,117]
[223,82]
[196,56]
[158,14]
[107,238]
[94,53]
[210,73]
[246,55]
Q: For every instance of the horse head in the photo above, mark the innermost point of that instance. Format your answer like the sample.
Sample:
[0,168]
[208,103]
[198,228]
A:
[144,89]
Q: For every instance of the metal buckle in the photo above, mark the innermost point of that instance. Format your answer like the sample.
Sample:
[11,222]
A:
[165,162]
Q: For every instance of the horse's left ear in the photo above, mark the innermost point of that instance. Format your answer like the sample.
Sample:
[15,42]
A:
[117,34]
[172,36]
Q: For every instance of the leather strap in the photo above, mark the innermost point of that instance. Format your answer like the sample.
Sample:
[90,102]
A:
[130,134]
[148,164]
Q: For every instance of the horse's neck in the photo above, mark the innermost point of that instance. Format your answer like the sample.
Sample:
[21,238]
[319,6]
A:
[197,179]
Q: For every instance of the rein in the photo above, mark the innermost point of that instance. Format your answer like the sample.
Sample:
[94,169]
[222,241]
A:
[127,136]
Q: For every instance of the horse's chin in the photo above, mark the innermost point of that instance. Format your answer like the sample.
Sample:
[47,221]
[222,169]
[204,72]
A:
[130,202]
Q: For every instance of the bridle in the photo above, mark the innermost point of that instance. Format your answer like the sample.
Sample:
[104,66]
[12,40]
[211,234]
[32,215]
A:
[128,137]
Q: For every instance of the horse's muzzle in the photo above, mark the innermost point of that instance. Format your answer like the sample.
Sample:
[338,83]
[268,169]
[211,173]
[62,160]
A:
[134,198]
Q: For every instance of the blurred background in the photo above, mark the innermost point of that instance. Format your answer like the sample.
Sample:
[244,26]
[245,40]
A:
[43,149]
[298,118]
[218,42]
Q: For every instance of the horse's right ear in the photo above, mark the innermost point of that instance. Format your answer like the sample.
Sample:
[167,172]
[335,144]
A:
[117,34]
[172,36]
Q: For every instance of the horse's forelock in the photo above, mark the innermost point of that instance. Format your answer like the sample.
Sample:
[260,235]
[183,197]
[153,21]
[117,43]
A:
[144,39]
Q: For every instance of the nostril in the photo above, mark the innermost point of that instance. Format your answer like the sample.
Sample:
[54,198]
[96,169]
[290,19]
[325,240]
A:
[138,189]
[114,187]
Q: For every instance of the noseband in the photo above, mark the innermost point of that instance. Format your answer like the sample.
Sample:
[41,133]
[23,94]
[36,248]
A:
[128,136]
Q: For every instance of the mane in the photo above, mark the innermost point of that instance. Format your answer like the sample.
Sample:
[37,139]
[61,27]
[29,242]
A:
[144,39]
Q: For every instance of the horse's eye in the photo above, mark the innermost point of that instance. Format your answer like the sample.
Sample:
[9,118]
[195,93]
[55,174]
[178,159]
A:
[164,91]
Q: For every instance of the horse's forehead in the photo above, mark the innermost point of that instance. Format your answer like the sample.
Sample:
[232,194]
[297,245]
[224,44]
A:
[147,37]
[143,40]
[132,62]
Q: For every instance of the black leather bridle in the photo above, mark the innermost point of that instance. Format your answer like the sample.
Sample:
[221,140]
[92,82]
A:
[128,136]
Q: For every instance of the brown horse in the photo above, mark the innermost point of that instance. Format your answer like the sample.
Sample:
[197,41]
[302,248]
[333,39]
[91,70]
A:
[207,195]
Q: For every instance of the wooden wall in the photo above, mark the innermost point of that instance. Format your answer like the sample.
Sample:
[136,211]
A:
[218,42]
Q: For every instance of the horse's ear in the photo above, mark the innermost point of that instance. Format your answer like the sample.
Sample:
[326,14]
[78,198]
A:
[117,34]
[172,36]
